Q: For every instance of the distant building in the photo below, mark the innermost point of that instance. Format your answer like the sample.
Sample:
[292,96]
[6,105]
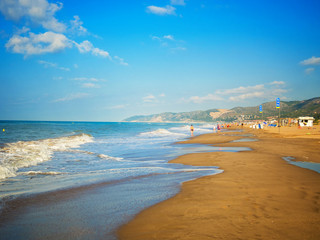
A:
[305,121]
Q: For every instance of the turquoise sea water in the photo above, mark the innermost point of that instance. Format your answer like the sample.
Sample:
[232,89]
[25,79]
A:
[111,171]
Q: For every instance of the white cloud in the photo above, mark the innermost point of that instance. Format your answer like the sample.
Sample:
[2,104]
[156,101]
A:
[76,26]
[117,107]
[87,79]
[47,64]
[149,98]
[155,38]
[72,96]
[309,70]
[167,10]
[170,37]
[246,96]
[165,37]
[23,30]
[37,11]
[162,95]
[121,61]
[277,83]
[209,97]
[64,68]
[178,49]
[240,90]
[84,47]
[53,65]
[34,44]
[311,61]
[90,85]
[260,91]
[170,42]
[87,46]
[178,2]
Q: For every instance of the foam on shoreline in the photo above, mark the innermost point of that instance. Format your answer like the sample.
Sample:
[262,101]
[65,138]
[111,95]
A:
[14,156]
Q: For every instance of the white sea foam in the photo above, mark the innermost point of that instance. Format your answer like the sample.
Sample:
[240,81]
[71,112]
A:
[162,133]
[33,173]
[103,156]
[29,153]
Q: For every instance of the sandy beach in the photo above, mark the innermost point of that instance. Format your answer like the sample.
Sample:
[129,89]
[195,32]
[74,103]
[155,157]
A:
[258,196]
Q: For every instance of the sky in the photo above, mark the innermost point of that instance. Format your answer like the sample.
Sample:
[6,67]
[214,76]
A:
[109,60]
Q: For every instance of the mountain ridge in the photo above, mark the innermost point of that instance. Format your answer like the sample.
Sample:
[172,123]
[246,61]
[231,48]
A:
[288,109]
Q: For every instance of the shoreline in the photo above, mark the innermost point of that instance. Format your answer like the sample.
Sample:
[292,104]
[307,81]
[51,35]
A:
[258,196]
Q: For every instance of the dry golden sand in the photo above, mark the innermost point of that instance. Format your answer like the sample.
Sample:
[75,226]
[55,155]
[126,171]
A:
[258,196]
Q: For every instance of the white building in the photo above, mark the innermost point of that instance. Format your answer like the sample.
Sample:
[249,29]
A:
[306,121]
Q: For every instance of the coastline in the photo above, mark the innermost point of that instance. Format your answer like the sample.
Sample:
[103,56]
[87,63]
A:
[258,196]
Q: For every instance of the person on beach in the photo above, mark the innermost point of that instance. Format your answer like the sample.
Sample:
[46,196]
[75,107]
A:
[191,129]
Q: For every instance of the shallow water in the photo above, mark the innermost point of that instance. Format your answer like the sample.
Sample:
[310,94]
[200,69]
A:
[308,165]
[245,140]
[111,172]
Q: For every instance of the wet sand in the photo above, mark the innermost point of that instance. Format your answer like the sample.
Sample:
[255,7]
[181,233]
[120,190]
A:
[258,196]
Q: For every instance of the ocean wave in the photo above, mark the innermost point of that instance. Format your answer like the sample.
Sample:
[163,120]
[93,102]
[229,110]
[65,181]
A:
[33,173]
[103,156]
[14,156]
[162,133]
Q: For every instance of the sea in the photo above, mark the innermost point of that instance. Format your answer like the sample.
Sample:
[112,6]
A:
[83,180]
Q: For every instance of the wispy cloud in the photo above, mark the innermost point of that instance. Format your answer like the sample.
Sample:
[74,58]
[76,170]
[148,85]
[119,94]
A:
[167,10]
[87,47]
[311,61]
[178,2]
[117,107]
[121,61]
[53,65]
[246,96]
[76,26]
[277,83]
[149,98]
[170,37]
[309,70]
[209,97]
[169,41]
[240,90]
[92,79]
[71,97]
[260,91]
[90,85]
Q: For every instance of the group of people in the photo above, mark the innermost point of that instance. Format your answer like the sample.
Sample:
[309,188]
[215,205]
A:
[218,127]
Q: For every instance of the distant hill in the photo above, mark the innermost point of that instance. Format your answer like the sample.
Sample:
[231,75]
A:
[292,109]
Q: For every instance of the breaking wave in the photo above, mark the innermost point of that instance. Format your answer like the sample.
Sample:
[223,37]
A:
[162,133]
[14,156]
[33,173]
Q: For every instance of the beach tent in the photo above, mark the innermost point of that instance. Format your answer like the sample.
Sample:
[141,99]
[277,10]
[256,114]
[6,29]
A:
[306,121]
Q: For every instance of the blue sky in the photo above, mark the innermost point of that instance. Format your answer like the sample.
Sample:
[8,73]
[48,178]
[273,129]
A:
[108,60]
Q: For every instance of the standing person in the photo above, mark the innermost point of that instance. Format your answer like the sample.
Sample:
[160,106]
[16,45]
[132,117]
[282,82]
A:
[191,129]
